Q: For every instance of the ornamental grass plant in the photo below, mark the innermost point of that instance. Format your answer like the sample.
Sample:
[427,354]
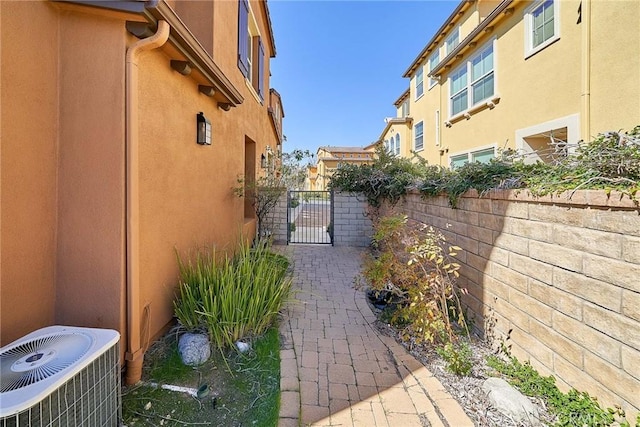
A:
[231,297]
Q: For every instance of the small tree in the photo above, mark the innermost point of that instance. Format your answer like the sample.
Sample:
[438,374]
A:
[265,192]
[294,169]
[263,195]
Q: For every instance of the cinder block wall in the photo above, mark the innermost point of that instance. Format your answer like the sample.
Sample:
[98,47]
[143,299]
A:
[351,225]
[277,221]
[563,275]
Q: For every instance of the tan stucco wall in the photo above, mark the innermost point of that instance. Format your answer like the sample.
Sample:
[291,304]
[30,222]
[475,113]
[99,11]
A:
[29,125]
[537,89]
[186,196]
[63,166]
[542,90]
[615,66]
[90,231]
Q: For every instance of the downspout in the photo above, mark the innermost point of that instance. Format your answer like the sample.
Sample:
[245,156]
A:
[585,118]
[135,353]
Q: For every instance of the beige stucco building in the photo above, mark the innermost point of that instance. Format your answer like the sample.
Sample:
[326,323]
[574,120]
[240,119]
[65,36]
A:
[104,172]
[330,158]
[520,75]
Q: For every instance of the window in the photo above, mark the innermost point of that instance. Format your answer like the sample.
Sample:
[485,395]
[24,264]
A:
[482,75]
[405,108]
[481,84]
[459,160]
[483,156]
[541,25]
[418,143]
[452,41]
[250,49]
[243,37]
[433,61]
[397,144]
[419,83]
[458,89]
[392,146]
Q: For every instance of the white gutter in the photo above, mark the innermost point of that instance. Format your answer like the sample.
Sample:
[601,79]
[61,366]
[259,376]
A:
[135,353]
[585,118]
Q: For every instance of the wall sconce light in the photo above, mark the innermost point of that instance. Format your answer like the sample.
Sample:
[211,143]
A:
[263,161]
[203,130]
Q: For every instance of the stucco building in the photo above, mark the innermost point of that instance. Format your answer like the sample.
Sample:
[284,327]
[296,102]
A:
[520,75]
[125,125]
[330,158]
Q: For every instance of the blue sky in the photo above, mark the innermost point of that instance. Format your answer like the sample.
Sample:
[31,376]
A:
[339,64]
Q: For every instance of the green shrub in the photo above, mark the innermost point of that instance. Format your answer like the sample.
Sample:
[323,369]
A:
[387,179]
[611,161]
[294,202]
[414,263]
[570,409]
[458,357]
[232,297]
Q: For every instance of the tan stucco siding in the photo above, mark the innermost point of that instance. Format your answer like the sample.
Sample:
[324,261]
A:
[29,125]
[532,90]
[615,66]
[90,230]
[186,197]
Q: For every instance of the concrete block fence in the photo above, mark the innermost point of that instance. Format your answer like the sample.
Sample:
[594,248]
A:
[351,224]
[562,274]
[277,221]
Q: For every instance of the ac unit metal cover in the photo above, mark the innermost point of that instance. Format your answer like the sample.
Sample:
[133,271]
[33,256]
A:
[35,365]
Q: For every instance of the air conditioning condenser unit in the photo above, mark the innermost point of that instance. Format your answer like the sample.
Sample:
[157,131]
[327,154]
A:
[61,376]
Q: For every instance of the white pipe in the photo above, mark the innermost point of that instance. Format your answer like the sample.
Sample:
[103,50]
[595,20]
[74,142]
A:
[134,353]
[585,118]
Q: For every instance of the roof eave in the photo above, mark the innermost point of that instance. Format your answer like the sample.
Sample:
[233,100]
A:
[428,47]
[468,41]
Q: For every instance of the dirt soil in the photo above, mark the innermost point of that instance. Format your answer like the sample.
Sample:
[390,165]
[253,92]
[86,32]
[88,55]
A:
[466,390]
[228,397]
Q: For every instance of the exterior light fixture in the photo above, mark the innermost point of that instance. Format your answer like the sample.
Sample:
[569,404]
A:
[263,161]
[203,130]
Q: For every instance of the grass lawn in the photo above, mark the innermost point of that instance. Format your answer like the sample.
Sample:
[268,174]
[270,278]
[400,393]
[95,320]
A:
[244,391]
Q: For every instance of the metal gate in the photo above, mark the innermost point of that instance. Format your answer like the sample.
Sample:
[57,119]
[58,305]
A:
[310,217]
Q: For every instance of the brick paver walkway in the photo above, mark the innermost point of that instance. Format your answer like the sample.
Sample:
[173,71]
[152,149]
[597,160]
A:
[337,369]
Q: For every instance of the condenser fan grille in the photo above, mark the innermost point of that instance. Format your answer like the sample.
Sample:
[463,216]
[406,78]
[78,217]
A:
[40,358]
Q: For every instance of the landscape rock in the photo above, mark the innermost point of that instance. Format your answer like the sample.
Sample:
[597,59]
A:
[510,401]
[194,349]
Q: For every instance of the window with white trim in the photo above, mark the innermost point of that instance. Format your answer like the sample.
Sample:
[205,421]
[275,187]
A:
[452,41]
[542,25]
[433,61]
[419,82]
[392,145]
[397,144]
[481,84]
[418,143]
[482,156]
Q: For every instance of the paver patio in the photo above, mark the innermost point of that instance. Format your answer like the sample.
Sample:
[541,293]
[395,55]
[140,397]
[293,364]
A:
[336,368]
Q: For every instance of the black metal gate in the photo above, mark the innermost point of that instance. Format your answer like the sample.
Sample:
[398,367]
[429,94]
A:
[310,217]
